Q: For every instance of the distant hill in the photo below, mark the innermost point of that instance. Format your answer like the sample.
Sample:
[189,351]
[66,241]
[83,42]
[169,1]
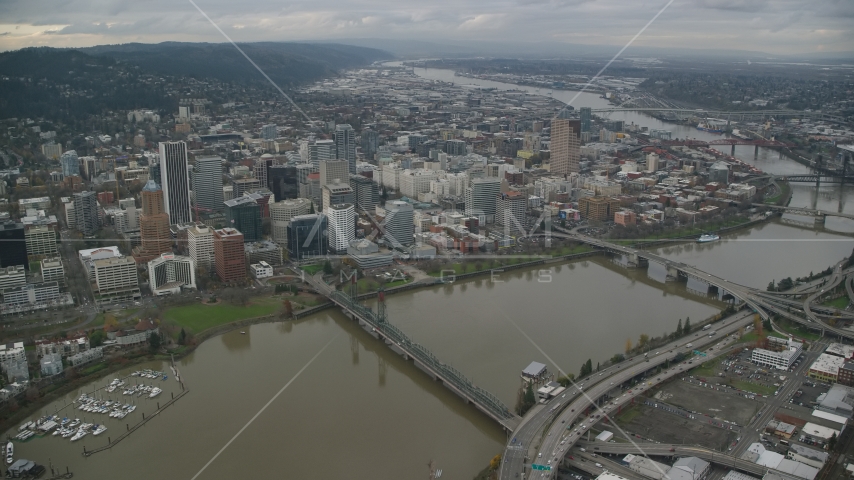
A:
[285,63]
[108,77]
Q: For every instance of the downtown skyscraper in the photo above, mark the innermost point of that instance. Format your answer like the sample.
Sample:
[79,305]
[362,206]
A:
[565,146]
[175,181]
[345,145]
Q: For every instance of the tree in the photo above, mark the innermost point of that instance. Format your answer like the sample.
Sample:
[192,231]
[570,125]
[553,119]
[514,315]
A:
[687,329]
[565,380]
[327,267]
[643,340]
[182,337]
[628,345]
[110,321]
[679,328]
[289,309]
[617,358]
[530,399]
[495,462]
[771,286]
[831,442]
[96,339]
[154,342]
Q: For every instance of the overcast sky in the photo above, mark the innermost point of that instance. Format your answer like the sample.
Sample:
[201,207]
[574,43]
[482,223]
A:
[775,26]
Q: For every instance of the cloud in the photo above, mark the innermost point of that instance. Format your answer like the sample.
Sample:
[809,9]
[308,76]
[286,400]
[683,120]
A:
[775,26]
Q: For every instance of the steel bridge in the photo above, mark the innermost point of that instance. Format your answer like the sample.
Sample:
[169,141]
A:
[729,115]
[378,326]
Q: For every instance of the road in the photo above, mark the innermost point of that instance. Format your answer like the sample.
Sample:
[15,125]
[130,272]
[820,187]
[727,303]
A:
[531,431]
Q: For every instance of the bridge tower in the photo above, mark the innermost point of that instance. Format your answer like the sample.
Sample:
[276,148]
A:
[381,312]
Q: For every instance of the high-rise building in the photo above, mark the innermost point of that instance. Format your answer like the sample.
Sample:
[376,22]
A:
[283,181]
[586,118]
[207,183]
[229,256]
[321,150]
[480,198]
[399,224]
[335,193]
[510,211]
[565,146]
[281,214]
[41,242]
[13,276]
[345,146]
[598,209]
[307,236]
[200,245]
[333,171]
[86,217]
[370,140]
[52,150]
[169,274]
[455,147]
[52,270]
[269,132]
[175,181]
[244,185]
[14,247]
[341,224]
[70,163]
[116,280]
[244,214]
[261,169]
[366,193]
[155,237]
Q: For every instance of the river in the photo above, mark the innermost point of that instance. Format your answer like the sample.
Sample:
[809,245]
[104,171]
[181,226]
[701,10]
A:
[354,409]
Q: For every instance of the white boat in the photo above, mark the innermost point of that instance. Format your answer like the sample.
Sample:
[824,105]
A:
[101,429]
[155,392]
[708,237]
[10,450]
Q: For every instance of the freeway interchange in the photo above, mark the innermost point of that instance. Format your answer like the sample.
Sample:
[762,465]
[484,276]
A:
[543,437]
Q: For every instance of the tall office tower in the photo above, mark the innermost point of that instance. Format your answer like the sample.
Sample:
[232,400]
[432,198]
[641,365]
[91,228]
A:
[70,163]
[14,250]
[307,236]
[399,224]
[321,150]
[244,185]
[261,169]
[155,237]
[366,193]
[154,173]
[86,213]
[207,183]
[341,225]
[244,214]
[175,181]
[370,142]
[269,132]
[282,212]
[480,198]
[332,170]
[345,145]
[510,212]
[565,146]
[283,181]
[200,245]
[41,242]
[229,255]
[304,170]
[455,147]
[586,118]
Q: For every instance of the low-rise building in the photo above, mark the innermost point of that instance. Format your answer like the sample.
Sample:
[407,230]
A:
[138,334]
[85,357]
[646,466]
[51,364]
[778,355]
[63,348]
[826,368]
[809,456]
[52,270]
[689,468]
[261,269]
[367,254]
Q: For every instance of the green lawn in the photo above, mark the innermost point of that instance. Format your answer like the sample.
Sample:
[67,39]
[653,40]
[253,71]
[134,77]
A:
[797,330]
[750,387]
[312,269]
[752,336]
[628,415]
[838,303]
[196,318]
[707,369]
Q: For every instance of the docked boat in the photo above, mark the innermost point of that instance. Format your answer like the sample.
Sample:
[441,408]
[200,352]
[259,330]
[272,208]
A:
[708,127]
[99,430]
[155,392]
[708,237]
[10,450]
